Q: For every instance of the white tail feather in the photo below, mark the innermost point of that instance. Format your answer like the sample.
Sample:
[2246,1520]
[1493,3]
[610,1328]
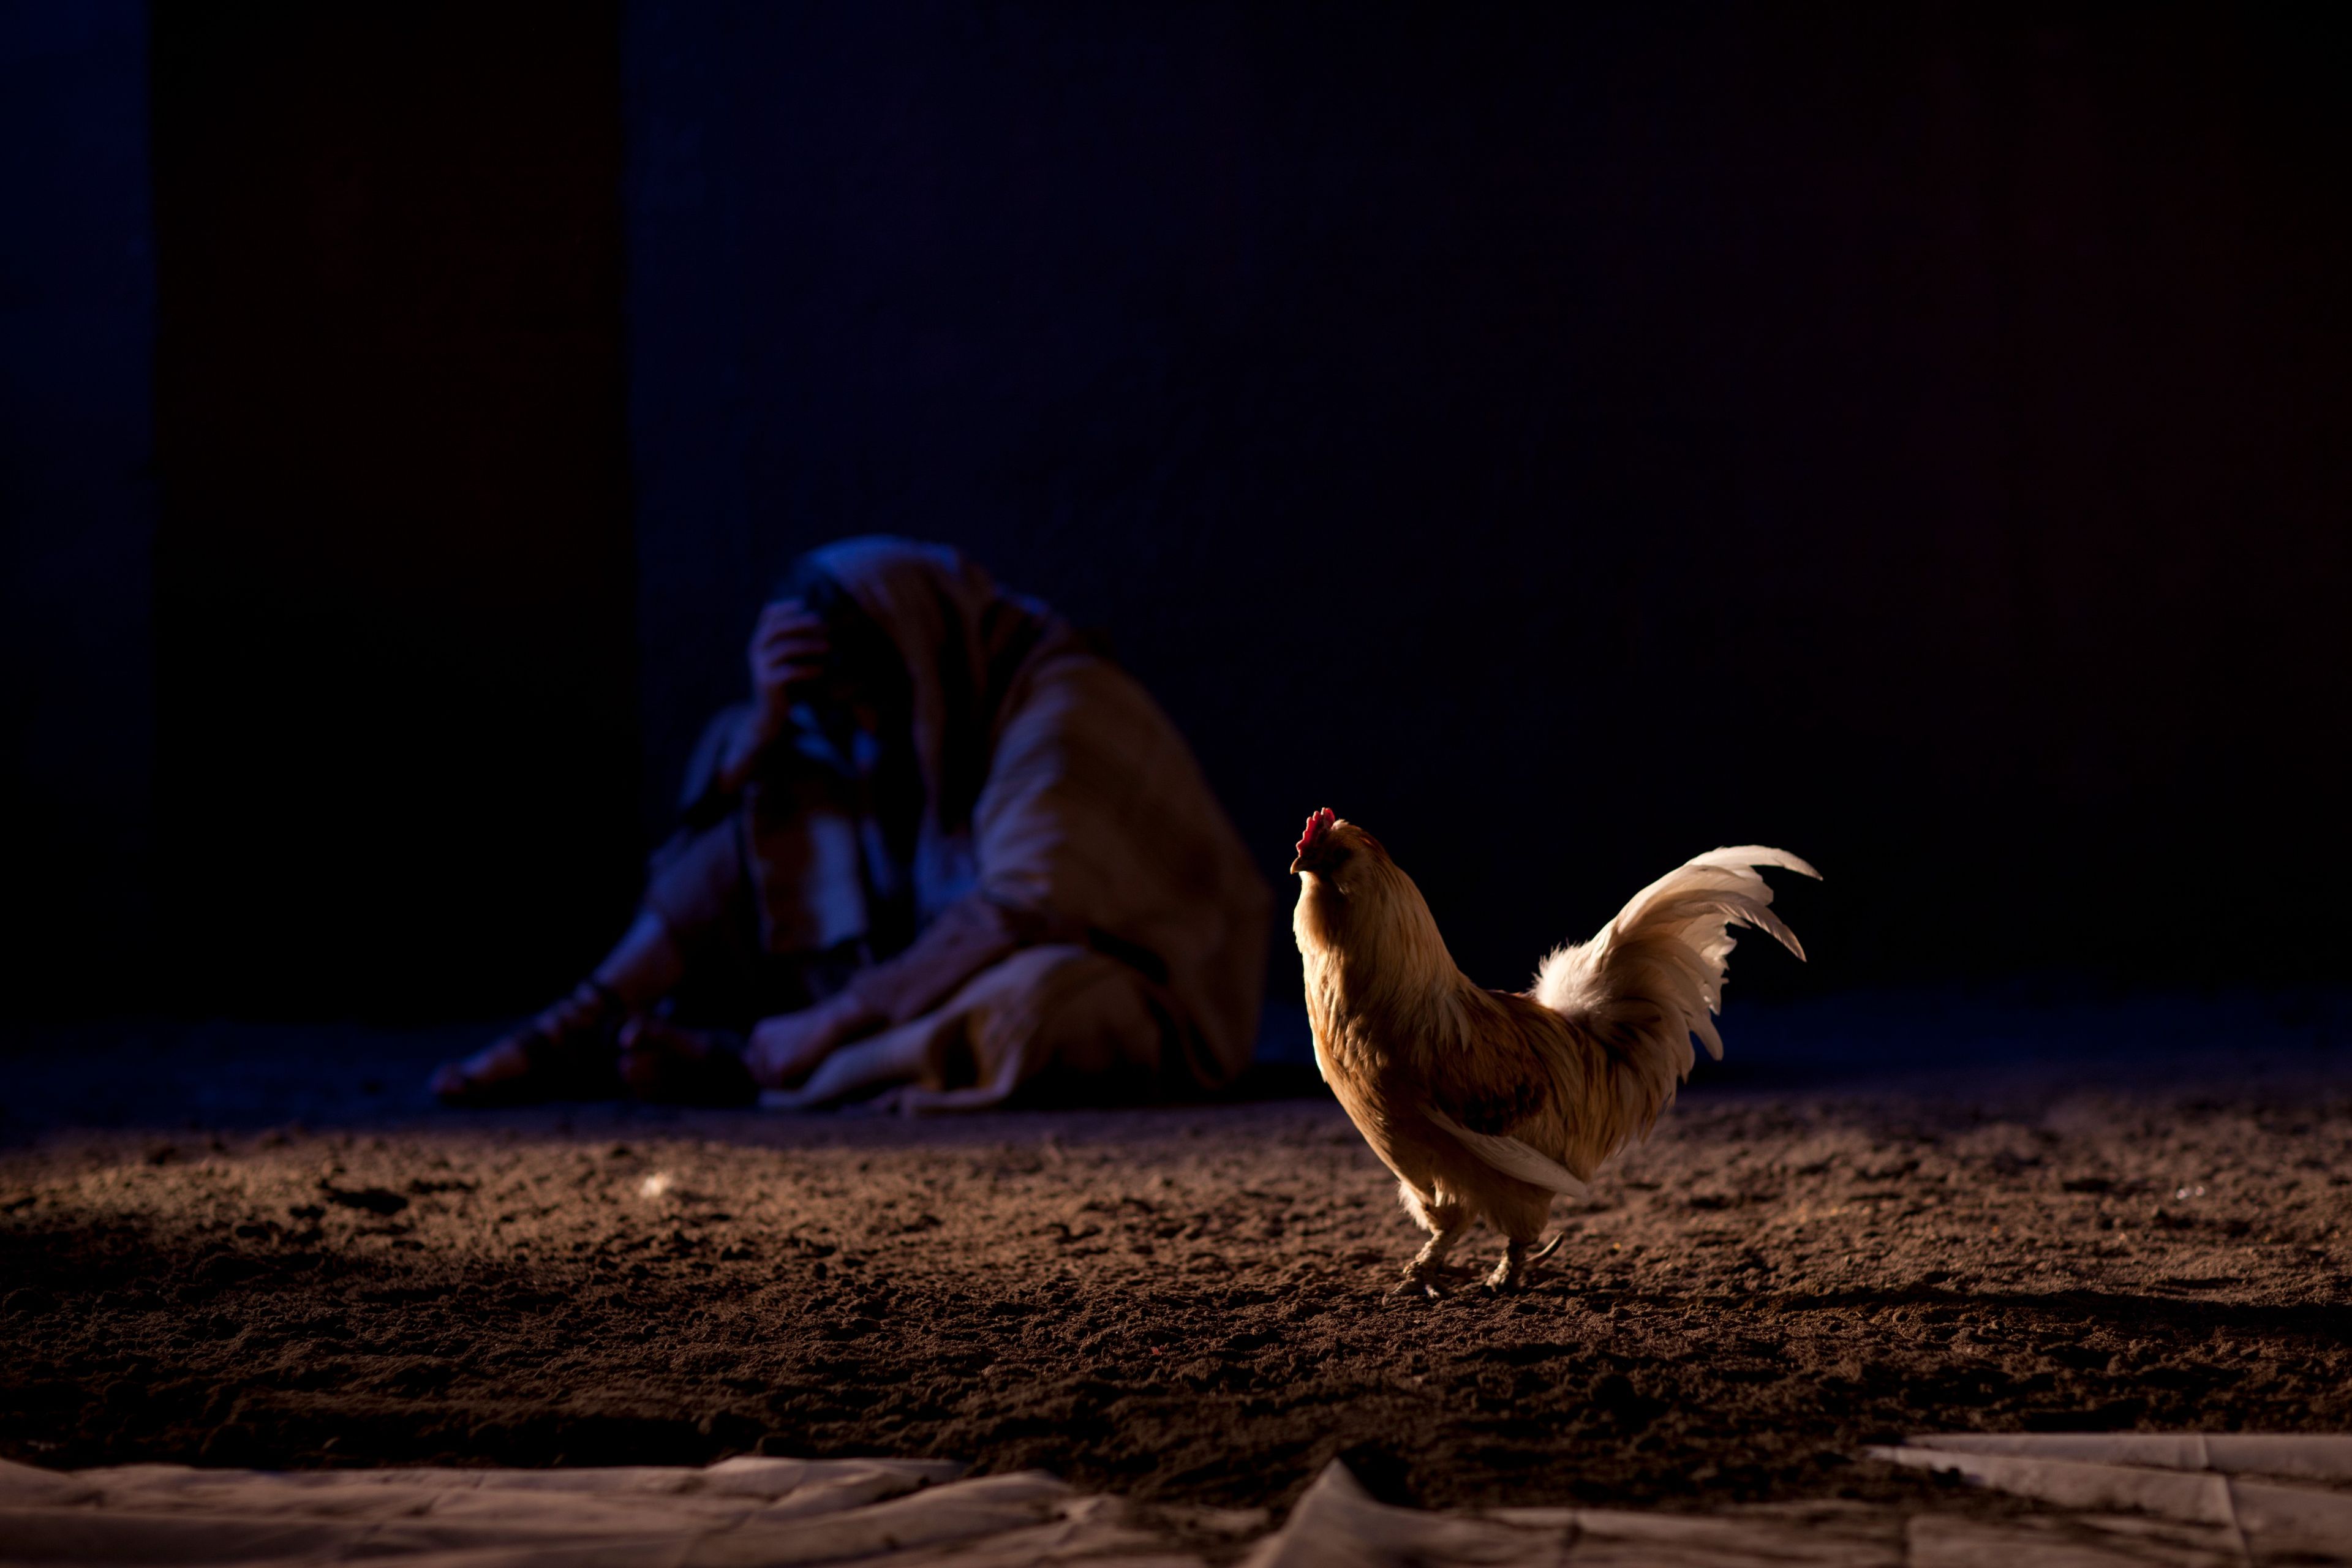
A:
[1512,1157]
[1652,977]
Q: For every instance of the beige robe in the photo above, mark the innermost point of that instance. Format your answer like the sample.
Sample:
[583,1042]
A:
[1082,902]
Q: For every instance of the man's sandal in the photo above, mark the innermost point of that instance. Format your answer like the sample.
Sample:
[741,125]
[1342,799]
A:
[568,1052]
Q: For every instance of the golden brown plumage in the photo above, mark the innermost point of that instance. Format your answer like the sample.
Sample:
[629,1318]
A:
[1486,1104]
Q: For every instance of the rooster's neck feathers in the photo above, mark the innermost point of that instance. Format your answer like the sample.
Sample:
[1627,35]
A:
[1365,931]
[1380,985]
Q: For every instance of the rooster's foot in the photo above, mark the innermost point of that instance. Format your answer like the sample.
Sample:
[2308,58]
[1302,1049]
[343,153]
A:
[1419,1281]
[1511,1272]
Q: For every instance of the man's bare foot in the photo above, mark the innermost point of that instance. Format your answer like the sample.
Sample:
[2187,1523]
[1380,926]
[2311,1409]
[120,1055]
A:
[565,1052]
[670,1065]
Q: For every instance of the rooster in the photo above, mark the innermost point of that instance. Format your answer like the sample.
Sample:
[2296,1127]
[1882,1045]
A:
[1489,1103]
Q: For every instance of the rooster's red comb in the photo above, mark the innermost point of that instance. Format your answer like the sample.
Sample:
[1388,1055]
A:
[1317,825]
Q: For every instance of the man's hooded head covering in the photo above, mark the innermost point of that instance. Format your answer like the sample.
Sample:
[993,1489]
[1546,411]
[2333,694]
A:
[960,642]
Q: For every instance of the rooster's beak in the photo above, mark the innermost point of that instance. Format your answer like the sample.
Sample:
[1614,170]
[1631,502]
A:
[1293,863]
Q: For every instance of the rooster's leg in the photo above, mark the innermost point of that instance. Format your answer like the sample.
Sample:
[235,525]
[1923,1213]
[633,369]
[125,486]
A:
[1446,1222]
[1512,1269]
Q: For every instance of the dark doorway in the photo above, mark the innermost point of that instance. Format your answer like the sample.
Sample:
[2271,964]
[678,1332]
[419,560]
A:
[396,731]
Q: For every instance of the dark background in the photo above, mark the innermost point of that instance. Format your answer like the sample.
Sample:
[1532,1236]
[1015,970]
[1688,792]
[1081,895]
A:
[1562,440]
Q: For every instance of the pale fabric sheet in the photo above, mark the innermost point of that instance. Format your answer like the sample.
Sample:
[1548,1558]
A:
[2185,1500]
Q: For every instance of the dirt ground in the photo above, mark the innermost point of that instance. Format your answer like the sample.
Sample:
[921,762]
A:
[1188,1305]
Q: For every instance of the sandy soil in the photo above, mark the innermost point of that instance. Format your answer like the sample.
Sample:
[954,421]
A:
[1187,1304]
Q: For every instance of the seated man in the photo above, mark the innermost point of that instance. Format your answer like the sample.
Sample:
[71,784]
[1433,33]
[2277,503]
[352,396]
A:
[947,846]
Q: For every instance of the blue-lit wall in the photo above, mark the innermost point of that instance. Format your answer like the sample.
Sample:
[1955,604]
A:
[1562,438]
[1565,439]
[77,493]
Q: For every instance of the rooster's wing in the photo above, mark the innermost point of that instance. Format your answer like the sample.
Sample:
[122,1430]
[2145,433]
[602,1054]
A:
[1497,1083]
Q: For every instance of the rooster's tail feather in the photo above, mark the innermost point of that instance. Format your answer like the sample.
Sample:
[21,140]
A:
[1652,977]
[1512,1157]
